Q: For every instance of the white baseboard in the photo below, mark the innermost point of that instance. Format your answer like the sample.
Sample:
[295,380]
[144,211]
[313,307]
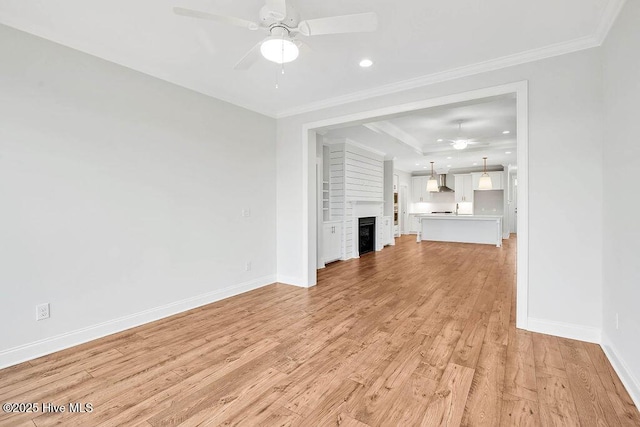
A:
[565,330]
[290,280]
[629,381]
[30,351]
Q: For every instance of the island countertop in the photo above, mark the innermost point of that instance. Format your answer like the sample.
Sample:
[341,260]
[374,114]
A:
[461,216]
[485,229]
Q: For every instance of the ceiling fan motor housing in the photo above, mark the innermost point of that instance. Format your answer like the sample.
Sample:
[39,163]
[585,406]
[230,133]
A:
[269,18]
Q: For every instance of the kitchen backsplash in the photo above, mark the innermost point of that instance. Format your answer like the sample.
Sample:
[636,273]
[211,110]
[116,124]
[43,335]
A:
[463,208]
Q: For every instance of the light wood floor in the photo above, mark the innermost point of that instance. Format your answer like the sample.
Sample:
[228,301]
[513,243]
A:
[418,334]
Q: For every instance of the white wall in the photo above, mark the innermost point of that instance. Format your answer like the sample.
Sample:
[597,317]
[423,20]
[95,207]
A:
[621,205]
[121,193]
[565,106]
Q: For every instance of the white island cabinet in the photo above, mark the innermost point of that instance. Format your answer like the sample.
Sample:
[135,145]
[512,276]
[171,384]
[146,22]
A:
[485,229]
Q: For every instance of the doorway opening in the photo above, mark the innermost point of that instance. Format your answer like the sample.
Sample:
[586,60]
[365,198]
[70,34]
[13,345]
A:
[311,131]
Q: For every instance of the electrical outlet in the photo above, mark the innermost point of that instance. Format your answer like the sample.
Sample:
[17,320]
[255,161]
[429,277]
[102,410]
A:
[246,213]
[247,266]
[42,311]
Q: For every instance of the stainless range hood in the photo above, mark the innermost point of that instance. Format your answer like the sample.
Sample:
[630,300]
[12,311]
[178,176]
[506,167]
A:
[442,184]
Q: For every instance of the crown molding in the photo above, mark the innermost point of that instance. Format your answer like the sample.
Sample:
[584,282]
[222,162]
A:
[608,18]
[452,74]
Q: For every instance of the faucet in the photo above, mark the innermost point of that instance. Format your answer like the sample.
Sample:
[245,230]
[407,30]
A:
[457,207]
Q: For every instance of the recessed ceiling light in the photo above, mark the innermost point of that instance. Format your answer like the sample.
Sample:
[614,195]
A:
[475,164]
[424,167]
[507,152]
[448,158]
[448,166]
[440,140]
[417,164]
[366,63]
[506,132]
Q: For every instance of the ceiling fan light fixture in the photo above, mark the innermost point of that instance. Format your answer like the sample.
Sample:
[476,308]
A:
[279,50]
[460,144]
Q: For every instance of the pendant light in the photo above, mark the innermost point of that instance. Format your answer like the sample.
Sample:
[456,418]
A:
[485,180]
[432,184]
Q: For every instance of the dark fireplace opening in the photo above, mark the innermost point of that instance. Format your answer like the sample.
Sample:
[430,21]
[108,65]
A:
[366,234]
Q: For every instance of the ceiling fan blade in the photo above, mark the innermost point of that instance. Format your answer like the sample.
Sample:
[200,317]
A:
[358,23]
[250,58]
[304,48]
[277,9]
[230,20]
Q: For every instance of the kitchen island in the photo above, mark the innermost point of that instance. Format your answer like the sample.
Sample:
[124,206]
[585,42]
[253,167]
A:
[485,229]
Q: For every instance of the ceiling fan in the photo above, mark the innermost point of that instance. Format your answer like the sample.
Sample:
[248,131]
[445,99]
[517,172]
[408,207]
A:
[282,23]
[460,143]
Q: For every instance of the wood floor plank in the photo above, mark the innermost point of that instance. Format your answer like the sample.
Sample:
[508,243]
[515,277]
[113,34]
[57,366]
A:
[547,356]
[517,411]
[411,402]
[447,403]
[484,403]
[555,401]
[416,334]
[619,397]
[590,397]
[520,373]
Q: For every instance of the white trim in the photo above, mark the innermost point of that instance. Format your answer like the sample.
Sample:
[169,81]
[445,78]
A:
[522,244]
[443,76]
[565,330]
[521,90]
[609,16]
[290,280]
[629,381]
[50,345]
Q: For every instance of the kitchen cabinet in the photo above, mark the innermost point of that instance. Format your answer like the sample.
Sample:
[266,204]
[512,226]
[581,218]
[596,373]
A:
[419,193]
[464,188]
[331,241]
[496,180]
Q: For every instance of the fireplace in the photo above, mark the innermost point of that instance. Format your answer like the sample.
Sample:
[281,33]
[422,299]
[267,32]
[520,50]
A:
[366,235]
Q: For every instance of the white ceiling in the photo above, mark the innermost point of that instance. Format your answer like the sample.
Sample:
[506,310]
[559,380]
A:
[412,138]
[416,38]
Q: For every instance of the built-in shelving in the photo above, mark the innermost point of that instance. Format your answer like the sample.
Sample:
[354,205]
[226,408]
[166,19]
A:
[326,187]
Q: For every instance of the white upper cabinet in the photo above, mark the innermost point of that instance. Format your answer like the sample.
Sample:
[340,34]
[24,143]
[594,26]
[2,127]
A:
[496,180]
[464,188]
[419,191]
